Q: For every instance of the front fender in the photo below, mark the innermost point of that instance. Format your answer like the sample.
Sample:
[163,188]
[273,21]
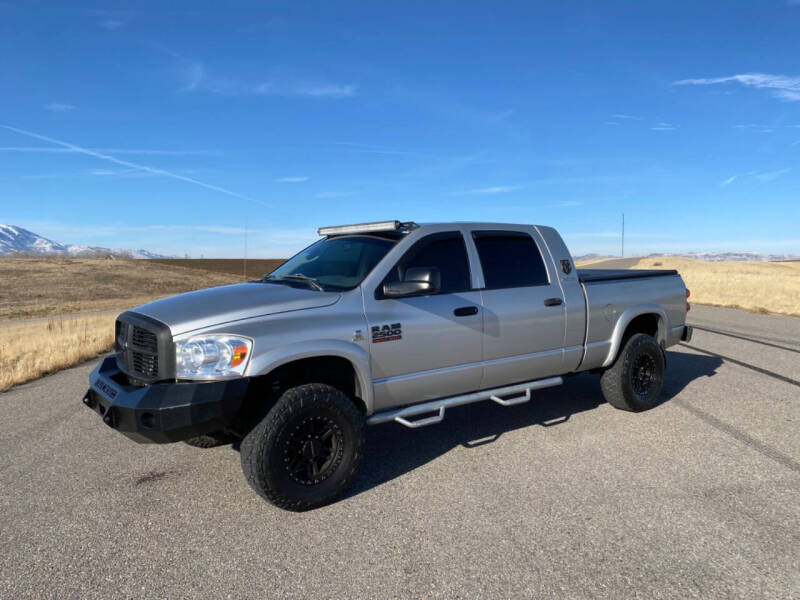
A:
[624,320]
[358,357]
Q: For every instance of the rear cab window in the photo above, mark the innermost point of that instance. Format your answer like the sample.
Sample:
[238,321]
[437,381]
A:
[510,259]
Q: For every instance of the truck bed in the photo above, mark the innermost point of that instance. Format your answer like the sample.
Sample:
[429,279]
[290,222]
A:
[589,275]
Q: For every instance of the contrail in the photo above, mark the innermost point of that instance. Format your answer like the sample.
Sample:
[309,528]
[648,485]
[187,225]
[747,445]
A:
[125,163]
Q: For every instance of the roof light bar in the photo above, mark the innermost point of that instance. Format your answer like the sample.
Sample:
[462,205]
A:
[361,228]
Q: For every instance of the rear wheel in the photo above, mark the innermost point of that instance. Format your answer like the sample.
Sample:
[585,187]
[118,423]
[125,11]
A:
[635,379]
[307,450]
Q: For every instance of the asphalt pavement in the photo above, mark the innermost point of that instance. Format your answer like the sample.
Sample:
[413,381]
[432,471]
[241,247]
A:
[563,497]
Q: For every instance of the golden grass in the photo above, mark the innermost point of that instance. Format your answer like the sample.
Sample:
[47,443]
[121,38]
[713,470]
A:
[30,350]
[765,287]
[43,287]
[47,287]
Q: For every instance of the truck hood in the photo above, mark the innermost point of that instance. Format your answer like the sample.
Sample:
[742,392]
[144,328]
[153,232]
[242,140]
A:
[218,305]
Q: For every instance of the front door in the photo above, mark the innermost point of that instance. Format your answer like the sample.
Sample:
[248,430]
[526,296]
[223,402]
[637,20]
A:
[426,347]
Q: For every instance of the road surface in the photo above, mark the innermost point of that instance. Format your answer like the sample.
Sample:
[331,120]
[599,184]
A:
[563,497]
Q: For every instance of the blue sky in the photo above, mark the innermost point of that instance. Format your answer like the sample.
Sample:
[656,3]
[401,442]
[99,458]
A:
[175,126]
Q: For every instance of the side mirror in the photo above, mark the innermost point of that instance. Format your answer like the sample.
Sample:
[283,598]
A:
[418,281]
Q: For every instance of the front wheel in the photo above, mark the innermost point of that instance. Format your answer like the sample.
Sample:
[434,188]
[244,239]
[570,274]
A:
[635,379]
[307,450]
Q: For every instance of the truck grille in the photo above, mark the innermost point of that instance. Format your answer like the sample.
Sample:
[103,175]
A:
[146,340]
[144,348]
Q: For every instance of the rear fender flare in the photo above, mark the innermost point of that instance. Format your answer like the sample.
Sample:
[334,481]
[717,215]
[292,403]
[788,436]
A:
[625,319]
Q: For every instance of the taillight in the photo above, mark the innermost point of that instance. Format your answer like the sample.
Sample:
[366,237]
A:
[688,293]
[688,306]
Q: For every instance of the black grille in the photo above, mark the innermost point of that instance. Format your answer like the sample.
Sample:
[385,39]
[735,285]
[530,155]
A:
[145,364]
[144,348]
[144,340]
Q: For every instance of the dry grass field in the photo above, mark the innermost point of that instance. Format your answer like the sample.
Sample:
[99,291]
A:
[43,287]
[59,286]
[35,287]
[766,287]
[252,267]
[30,350]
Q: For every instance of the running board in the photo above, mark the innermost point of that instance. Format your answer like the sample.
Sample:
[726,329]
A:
[401,415]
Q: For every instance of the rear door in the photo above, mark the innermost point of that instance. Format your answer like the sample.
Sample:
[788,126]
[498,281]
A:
[523,307]
[425,347]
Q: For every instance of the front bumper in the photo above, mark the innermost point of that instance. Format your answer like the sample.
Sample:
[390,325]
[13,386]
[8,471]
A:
[162,412]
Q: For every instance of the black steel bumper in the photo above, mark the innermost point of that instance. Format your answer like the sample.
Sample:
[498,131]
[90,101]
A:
[686,334]
[162,412]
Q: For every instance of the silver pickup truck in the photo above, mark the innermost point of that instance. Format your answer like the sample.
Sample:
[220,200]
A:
[379,322]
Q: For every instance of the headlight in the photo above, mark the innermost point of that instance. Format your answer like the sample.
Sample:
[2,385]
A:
[212,356]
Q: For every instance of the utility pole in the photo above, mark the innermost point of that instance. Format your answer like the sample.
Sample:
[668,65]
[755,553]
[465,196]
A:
[245,250]
[622,245]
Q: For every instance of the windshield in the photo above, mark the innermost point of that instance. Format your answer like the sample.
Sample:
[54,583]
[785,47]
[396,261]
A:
[339,263]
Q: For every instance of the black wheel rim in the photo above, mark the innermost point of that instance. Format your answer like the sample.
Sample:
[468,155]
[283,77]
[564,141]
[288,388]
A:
[313,450]
[643,375]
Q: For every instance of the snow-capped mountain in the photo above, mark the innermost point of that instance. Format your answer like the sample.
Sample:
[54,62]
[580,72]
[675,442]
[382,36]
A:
[17,240]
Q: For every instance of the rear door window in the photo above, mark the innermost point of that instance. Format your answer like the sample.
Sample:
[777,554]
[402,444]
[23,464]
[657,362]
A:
[510,259]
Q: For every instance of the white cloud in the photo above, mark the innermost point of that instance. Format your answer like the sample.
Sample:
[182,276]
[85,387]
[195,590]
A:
[145,151]
[617,234]
[108,171]
[59,107]
[785,87]
[761,176]
[111,24]
[323,89]
[218,229]
[771,175]
[497,189]
[331,195]
[628,117]
[755,127]
[664,127]
[196,78]
[291,179]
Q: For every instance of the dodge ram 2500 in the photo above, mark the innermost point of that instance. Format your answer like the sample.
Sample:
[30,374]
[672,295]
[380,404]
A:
[379,322]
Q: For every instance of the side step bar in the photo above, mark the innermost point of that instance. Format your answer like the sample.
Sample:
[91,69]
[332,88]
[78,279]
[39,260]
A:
[401,415]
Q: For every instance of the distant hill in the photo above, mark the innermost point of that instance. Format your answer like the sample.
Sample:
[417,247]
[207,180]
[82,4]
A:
[17,241]
[707,256]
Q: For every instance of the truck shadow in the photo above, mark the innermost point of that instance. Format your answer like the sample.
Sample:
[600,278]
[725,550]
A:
[393,450]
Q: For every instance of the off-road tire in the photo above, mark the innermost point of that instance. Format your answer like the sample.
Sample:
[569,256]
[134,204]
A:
[635,379]
[274,448]
[210,440]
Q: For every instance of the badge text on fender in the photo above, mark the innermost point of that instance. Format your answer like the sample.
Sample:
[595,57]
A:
[387,333]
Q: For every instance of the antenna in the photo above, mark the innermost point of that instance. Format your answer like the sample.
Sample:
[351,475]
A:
[622,245]
[245,250]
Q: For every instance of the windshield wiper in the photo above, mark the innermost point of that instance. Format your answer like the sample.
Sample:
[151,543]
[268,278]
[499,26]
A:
[299,277]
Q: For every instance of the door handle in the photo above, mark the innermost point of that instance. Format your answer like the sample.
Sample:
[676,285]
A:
[553,302]
[466,311]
